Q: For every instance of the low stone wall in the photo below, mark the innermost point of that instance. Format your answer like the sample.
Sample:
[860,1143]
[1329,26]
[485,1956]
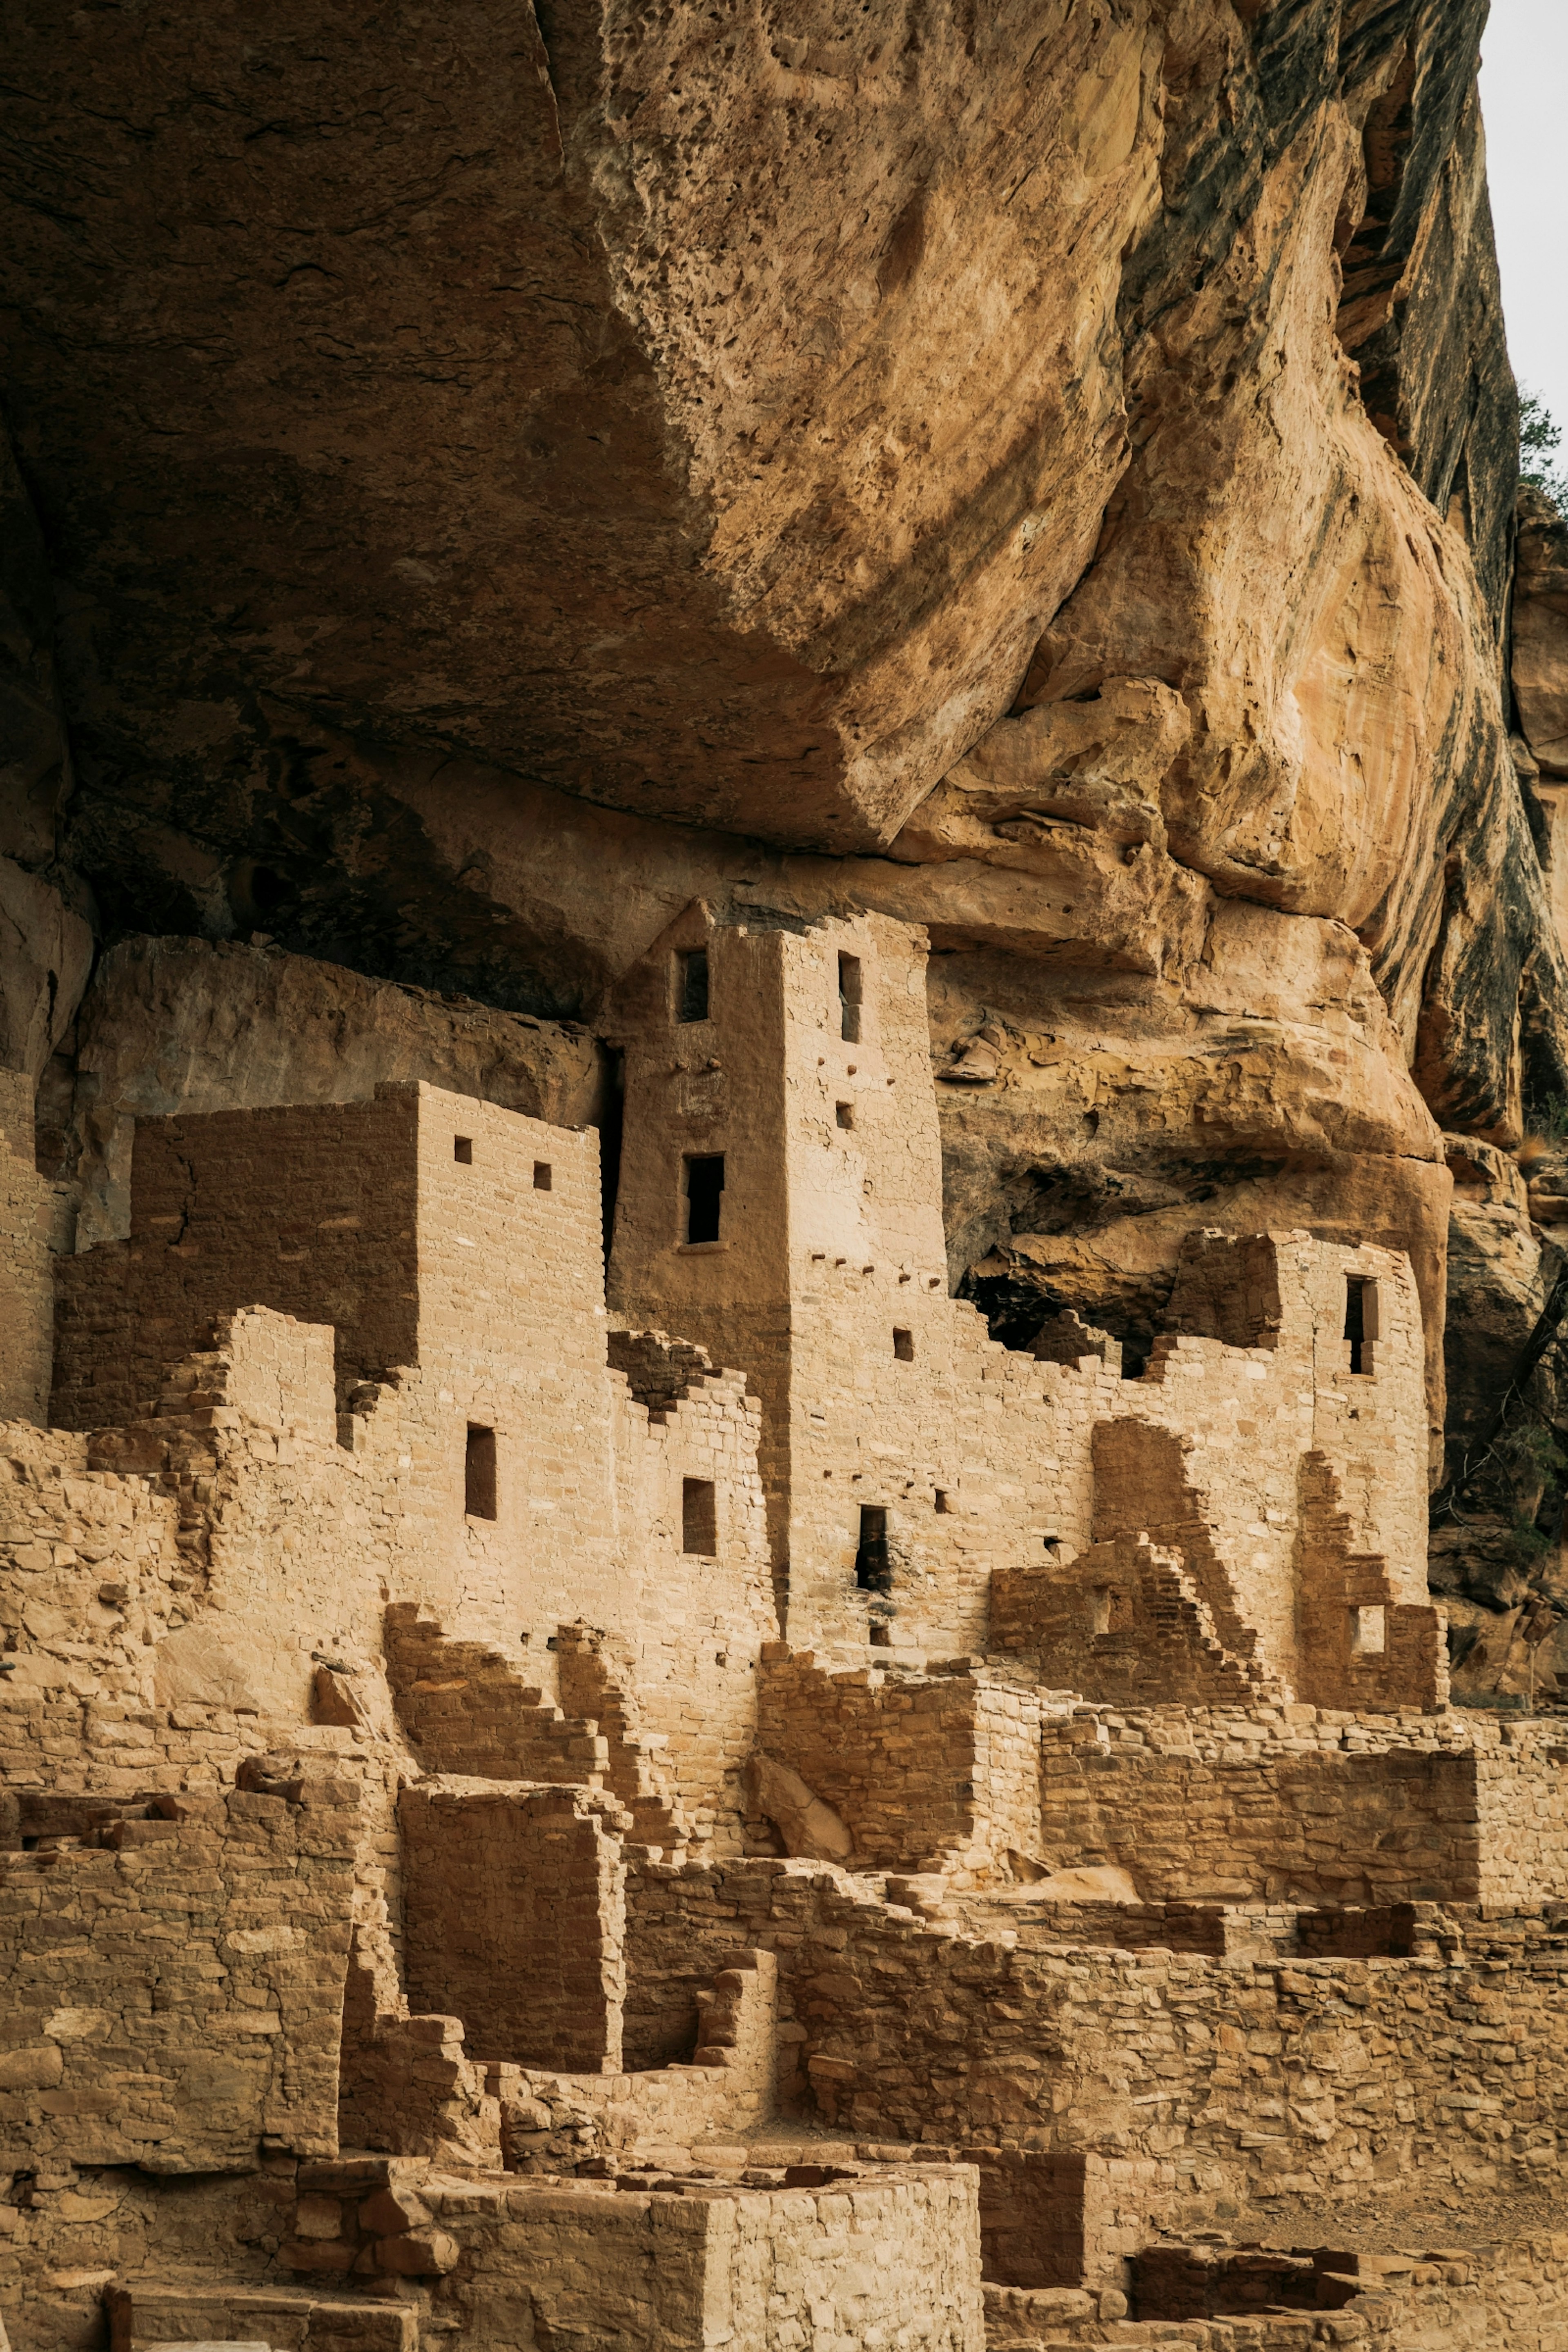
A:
[1310,1804]
[828,2254]
[549,2122]
[1448,2299]
[1227,2076]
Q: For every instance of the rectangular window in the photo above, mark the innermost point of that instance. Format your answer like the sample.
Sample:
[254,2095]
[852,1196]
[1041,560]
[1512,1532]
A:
[463,1150]
[1369,1632]
[904,1345]
[691,985]
[845,1114]
[480,1473]
[943,1504]
[700,1518]
[704,1194]
[1361,1319]
[542,1176]
[849,998]
[872,1569]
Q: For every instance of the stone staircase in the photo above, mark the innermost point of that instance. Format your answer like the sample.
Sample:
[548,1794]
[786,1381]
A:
[465,1709]
[633,1773]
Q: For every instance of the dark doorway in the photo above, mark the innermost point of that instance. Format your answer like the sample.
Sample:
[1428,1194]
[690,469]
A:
[704,1195]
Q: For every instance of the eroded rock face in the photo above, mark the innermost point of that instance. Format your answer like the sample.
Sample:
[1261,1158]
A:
[1044,473]
[1540,664]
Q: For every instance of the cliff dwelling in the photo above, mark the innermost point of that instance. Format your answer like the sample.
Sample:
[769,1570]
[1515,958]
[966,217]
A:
[783,1190]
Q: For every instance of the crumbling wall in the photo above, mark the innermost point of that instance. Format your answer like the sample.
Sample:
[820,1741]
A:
[1359,1647]
[299,1209]
[722,2087]
[1226,2076]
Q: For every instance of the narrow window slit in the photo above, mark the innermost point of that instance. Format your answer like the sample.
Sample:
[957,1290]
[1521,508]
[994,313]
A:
[480,1473]
[691,985]
[698,1517]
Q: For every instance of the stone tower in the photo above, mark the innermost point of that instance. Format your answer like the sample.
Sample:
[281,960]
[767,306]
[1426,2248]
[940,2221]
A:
[780,1201]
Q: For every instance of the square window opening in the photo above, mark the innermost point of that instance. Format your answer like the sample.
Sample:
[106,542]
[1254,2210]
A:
[872,1569]
[944,1506]
[704,1196]
[543,1180]
[700,1518]
[849,998]
[480,1473]
[463,1150]
[844,1113]
[691,985]
[904,1345]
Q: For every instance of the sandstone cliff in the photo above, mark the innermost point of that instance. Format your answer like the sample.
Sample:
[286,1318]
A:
[1044,472]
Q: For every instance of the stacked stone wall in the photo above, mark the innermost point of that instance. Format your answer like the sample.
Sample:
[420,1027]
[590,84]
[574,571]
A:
[930,1772]
[303,1209]
[1227,2078]
[224,2028]
[514,1919]
[1310,1804]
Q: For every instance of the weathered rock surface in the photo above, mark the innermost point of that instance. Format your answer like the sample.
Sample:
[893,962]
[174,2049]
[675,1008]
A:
[1539,660]
[1050,478]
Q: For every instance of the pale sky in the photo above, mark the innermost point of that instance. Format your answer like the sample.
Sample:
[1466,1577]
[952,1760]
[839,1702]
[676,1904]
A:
[1524,104]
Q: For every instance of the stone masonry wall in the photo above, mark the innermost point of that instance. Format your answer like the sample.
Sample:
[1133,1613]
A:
[514,1918]
[1298,1802]
[224,2025]
[871,2257]
[1360,1648]
[879,1392]
[927,1772]
[300,1209]
[1224,2076]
